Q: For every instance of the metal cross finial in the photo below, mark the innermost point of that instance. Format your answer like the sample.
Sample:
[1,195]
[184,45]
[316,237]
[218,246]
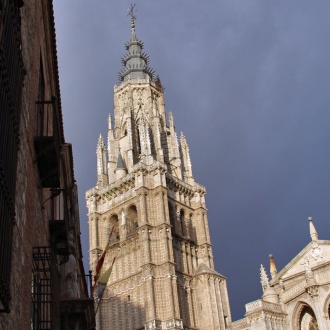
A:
[131,12]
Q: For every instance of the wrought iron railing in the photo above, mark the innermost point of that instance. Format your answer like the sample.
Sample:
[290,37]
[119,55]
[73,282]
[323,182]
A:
[45,290]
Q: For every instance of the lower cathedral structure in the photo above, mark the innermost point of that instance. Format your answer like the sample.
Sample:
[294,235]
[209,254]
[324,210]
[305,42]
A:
[298,296]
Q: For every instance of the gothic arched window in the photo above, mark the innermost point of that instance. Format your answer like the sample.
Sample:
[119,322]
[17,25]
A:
[114,229]
[124,130]
[172,214]
[182,222]
[131,221]
[138,142]
[307,319]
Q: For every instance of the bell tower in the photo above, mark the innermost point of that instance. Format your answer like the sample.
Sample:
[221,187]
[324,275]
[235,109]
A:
[146,195]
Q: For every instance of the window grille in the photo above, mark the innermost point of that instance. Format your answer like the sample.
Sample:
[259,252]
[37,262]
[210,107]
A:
[45,290]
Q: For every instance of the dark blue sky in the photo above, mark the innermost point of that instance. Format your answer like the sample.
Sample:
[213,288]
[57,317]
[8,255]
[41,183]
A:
[248,84]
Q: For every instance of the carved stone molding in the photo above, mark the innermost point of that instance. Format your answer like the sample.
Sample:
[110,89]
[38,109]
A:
[313,291]
[317,251]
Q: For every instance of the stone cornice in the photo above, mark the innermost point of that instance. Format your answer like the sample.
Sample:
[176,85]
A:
[260,305]
[152,168]
[113,189]
[185,188]
[239,325]
[136,83]
[127,182]
[294,291]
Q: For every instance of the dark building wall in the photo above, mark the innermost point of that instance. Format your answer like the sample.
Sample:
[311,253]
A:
[11,81]
[37,179]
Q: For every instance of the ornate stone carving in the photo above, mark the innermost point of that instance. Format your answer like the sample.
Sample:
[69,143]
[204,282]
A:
[313,291]
[317,251]
[308,269]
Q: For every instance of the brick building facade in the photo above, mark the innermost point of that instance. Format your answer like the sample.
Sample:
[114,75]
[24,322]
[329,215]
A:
[163,276]
[42,279]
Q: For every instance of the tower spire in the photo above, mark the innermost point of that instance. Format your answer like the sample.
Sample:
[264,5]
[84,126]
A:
[101,156]
[135,61]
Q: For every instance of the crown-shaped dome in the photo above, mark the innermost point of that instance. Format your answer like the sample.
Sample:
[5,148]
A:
[135,61]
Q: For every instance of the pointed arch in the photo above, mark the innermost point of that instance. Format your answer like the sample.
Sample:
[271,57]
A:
[326,308]
[182,222]
[137,140]
[131,221]
[114,227]
[172,213]
[304,317]
[124,129]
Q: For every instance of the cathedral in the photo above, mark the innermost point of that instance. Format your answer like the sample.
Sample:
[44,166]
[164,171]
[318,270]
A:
[296,297]
[148,225]
[151,212]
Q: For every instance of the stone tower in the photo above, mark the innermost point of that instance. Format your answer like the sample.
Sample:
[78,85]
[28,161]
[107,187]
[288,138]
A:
[146,195]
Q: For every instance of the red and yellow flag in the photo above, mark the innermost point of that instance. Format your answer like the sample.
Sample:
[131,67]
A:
[101,260]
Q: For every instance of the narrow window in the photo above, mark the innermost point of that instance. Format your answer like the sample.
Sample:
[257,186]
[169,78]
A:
[182,222]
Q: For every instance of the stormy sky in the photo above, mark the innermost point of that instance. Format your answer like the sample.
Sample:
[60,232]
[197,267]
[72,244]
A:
[248,84]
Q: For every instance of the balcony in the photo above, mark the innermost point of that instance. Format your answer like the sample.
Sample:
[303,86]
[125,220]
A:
[47,144]
[59,221]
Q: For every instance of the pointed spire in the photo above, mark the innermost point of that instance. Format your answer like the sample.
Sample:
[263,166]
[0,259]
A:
[100,141]
[101,158]
[264,278]
[312,230]
[133,35]
[273,270]
[270,294]
[109,122]
[171,119]
[100,152]
[135,61]
[186,157]
[121,170]
[120,162]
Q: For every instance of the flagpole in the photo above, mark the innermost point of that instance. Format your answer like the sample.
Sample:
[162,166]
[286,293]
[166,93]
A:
[101,260]
[105,278]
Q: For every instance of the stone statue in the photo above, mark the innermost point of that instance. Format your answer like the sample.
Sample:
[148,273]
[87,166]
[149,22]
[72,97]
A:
[68,272]
[307,266]
[123,218]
